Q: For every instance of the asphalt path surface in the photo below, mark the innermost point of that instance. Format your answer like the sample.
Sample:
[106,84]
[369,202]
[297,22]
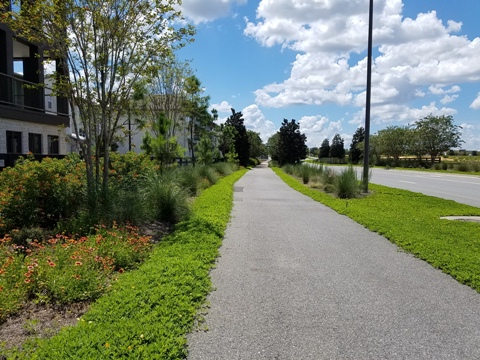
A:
[296,280]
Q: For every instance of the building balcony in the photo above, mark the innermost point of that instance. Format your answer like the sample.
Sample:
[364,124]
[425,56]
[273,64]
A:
[26,101]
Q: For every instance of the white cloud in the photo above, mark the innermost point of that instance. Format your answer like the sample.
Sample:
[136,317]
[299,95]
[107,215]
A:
[223,107]
[470,134]
[448,99]
[317,128]
[255,120]
[439,90]
[416,56]
[476,103]
[208,10]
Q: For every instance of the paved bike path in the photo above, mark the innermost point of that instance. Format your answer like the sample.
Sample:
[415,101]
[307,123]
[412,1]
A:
[296,280]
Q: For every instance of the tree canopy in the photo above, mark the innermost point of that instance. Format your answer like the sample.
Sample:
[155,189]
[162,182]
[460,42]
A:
[242,146]
[438,134]
[337,149]
[291,146]
[394,141]
[324,149]
[355,151]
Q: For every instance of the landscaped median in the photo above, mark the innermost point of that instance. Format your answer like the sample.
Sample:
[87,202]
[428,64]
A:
[148,312]
[412,221]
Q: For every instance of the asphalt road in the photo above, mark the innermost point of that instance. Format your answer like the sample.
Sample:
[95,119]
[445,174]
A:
[295,280]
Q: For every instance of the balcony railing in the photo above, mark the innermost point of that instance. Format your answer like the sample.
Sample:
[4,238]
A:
[27,95]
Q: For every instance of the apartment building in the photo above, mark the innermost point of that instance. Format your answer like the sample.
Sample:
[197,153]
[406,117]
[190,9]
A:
[32,120]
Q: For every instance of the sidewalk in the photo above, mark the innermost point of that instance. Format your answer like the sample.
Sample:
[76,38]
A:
[295,280]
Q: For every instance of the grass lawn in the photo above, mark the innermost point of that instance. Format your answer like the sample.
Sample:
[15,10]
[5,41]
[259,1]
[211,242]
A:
[412,221]
[147,312]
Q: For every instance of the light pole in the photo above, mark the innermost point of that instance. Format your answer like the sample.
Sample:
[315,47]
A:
[366,151]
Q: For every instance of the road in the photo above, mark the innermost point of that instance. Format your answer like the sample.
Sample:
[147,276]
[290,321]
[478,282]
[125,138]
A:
[461,188]
[295,280]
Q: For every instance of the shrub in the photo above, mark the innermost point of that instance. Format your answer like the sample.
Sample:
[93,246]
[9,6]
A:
[64,269]
[463,166]
[39,194]
[126,170]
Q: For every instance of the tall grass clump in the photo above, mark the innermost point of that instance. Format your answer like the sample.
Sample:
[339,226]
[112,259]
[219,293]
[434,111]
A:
[289,169]
[346,184]
[224,168]
[164,198]
[189,179]
[207,172]
[305,172]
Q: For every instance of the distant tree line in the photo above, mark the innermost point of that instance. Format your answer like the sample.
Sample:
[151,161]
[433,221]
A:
[430,136]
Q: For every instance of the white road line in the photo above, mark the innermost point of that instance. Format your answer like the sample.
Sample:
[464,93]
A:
[408,182]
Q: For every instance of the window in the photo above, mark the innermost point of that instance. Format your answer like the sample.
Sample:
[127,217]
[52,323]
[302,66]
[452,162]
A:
[53,146]
[14,142]
[35,143]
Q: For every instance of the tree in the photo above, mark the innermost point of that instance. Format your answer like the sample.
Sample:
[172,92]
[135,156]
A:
[206,150]
[164,93]
[195,107]
[337,149]
[355,151]
[226,136]
[101,50]
[160,144]
[257,148]
[438,134]
[242,146]
[314,151]
[291,143]
[394,141]
[272,146]
[324,149]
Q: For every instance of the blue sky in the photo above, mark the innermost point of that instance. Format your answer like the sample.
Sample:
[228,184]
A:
[306,60]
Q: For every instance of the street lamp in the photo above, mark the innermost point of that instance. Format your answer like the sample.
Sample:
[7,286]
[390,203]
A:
[366,151]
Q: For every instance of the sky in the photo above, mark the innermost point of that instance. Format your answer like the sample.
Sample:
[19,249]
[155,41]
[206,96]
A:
[307,60]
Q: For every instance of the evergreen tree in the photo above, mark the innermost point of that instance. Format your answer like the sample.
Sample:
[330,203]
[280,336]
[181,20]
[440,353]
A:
[355,152]
[291,143]
[242,146]
[324,149]
[337,149]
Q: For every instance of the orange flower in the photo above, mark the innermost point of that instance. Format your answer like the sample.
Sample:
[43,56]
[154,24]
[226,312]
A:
[121,271]
[52,264]
[27,281]
[78,263]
